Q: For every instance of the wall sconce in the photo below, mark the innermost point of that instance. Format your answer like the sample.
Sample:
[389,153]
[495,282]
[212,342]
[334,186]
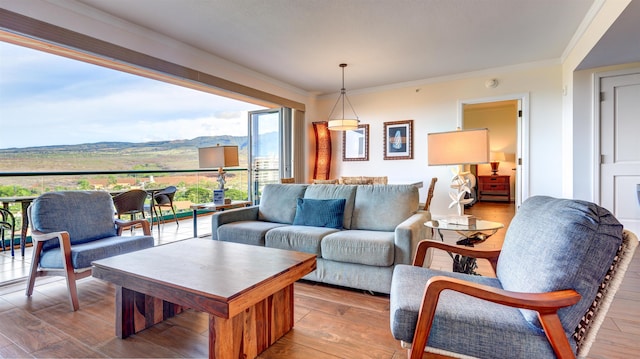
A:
[322,164]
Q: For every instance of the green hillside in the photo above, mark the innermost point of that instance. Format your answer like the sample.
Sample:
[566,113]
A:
[115,156]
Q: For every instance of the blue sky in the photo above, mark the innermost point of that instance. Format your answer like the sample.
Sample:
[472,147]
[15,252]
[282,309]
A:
[51,100]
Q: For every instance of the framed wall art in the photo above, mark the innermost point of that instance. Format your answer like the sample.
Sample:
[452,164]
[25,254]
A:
[355,144]
[398,140]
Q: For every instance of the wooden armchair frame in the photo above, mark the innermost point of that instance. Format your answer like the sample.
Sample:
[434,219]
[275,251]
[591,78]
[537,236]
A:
[71,274]
[546,304]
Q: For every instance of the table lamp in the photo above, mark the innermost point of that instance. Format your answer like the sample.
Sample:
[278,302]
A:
[220,157]
[461,147]
[496,158]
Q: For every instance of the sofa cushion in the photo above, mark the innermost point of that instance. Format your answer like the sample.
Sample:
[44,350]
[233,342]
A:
[319,212]
[50,213]
[372,248]
[247,232]
[83,254]
[332,192]
[383,207]
[298,238]
[278,202]
[555,244]
[472,326]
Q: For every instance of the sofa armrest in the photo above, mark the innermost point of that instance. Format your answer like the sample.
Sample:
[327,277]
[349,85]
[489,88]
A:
[232,215]
[408,234]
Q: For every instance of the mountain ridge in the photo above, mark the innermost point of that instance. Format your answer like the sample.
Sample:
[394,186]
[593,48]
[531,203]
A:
[201,141]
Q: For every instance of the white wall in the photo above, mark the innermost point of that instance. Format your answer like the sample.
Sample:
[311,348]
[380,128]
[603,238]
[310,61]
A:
[434,107]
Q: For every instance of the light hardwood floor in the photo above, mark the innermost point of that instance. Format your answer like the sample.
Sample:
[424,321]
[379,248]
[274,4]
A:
[330,322]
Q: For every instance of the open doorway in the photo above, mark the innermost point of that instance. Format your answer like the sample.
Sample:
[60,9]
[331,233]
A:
[506,120]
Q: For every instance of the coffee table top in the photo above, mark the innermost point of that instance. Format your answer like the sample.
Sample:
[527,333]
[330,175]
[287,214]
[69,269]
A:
[207,270]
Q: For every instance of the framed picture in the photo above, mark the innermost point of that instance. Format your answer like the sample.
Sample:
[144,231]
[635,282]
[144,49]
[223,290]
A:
[355,144]
[398,140]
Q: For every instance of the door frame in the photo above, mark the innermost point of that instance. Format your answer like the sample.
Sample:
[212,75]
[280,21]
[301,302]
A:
[522,139]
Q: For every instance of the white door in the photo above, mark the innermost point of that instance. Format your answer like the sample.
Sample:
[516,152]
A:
[620,148]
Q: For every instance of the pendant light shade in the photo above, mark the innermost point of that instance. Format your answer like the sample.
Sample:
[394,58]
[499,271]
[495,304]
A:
[342,123]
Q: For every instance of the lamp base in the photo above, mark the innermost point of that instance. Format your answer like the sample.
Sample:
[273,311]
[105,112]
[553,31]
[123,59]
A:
[494,168]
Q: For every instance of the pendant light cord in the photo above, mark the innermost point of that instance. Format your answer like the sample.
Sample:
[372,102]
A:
[343,96]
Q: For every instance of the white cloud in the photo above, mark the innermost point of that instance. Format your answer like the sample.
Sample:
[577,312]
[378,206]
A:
[70,102]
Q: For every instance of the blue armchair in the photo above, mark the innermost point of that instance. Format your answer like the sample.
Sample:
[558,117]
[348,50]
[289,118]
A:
[70,229]
[560,265]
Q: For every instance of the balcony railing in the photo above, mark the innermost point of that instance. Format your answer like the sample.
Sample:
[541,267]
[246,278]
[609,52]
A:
[194,186]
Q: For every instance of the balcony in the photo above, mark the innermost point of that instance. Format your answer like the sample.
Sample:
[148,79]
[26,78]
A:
[194,186]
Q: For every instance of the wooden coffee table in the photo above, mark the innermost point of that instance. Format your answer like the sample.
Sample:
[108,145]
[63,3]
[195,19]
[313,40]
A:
[247,290]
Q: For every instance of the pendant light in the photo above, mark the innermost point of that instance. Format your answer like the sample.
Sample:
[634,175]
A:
[343,124]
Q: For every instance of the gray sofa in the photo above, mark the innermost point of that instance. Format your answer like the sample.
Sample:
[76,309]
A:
[380,227]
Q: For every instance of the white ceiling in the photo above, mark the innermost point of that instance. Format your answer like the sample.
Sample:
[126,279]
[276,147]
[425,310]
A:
[384,42]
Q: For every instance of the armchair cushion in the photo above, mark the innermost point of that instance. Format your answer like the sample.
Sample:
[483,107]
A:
[472,326]
[83,254]
[554,244]
[50,213]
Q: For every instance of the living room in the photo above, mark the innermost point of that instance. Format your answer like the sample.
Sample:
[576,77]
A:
[554,93]
[556,97]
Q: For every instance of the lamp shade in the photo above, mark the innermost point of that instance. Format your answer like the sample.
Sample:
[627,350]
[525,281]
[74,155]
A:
[458,147]
[343,124]
[498,157]
[218,156]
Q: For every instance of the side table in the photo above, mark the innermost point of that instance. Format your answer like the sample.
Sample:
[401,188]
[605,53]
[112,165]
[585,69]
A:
[212,207]
[494,188]
[470,235]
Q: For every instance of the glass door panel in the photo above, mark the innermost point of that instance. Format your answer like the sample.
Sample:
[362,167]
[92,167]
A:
[265,149]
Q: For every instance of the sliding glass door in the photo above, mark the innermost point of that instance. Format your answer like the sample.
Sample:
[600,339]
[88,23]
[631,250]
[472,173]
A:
[269,148]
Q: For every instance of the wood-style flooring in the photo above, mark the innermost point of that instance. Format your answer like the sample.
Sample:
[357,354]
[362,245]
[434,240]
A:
[330,322]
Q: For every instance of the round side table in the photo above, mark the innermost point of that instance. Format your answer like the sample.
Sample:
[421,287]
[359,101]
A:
[470,235]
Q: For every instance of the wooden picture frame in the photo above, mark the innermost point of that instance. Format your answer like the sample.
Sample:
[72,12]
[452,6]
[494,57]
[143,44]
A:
[355,144]
[398,140]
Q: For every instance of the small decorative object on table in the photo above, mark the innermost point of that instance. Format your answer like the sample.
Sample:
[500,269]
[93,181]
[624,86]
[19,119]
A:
[463,220]
[218,196]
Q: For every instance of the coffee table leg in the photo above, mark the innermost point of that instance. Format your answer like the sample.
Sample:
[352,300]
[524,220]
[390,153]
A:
[125,300]
[253,330]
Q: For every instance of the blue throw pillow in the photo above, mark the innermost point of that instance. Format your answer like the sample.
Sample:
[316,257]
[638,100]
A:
[320,212]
